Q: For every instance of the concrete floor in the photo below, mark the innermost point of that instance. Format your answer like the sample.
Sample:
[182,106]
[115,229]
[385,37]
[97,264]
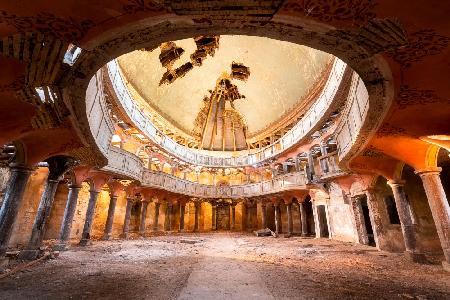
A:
[227,266]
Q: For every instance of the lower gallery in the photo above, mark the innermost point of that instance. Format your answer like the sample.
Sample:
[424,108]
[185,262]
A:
[205,150]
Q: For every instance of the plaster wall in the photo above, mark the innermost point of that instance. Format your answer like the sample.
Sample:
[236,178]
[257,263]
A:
[340,216]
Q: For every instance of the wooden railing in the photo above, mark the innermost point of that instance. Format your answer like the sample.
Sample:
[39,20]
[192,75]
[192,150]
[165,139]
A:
[124,163]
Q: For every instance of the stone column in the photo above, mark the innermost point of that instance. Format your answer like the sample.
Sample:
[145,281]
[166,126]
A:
[289,215]
[57,166]
[143,217]
[214,216]
[168,217]
[324,162]
[12,199]
[69,212]
[86,235]
[375,218]
[310,165]
[43,212]
[276,208]
[233,216]
[126,222]
[197,212]
[110,218]
[182,211]
[248,222]
[407,225]
[300,216]
[359,221]
[439,208]
[156,218]
[263,215]
[304,219]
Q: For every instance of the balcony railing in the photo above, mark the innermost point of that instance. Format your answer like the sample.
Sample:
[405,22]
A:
[305,127]
[130,166]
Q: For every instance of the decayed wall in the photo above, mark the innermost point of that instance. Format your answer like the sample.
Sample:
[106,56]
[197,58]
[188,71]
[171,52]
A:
[390,237]
[339,216]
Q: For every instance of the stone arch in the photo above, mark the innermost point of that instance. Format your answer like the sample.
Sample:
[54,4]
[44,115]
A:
[345,44]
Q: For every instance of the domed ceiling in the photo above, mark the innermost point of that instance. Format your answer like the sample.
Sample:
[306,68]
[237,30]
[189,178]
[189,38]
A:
[280,75]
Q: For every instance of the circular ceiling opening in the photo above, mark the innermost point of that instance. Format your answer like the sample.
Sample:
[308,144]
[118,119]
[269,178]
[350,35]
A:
[225,91]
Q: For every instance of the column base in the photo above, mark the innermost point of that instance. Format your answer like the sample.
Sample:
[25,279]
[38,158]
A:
[446,266]
[124,236]
[106,237]
[61,247]
[416,257]
[29,254]
[85,242]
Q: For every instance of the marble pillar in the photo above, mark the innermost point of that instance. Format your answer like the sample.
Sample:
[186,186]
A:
[39,225]
[12,199]
[375,217]
[110,218]
[156,216]
[69,212]
[263,216]
[214,216]
[233,216]
[182,212]
[304,219]
[408,228]
[276,209]
[289,216]
[300,217]
[196,216]
[126,221]
[248,215]
[360,224]
[168,217]
[143,218]
[86,235]
[440,208]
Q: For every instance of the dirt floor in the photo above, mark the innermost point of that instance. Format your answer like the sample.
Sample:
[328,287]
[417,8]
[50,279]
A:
[227,266]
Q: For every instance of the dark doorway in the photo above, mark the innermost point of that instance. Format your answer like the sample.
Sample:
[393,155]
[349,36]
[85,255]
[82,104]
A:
[310,216]
[322,218]
[367,221]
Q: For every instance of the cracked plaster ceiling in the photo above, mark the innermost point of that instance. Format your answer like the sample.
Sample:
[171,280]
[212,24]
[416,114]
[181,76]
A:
[282,73]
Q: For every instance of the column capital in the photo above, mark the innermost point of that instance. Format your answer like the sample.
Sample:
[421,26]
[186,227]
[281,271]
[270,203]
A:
[74,186]
[428,171]
[396,183]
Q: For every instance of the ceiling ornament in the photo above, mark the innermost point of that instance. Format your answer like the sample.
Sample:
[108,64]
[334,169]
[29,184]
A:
[66,29]
[358,11]
[170,53]
[420,44]
[409,96]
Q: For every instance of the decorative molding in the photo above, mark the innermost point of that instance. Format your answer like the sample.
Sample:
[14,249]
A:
[408,96]
[66,29]
[136,6]
[421,44]
[357,11]
[390,130]
[372,152]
